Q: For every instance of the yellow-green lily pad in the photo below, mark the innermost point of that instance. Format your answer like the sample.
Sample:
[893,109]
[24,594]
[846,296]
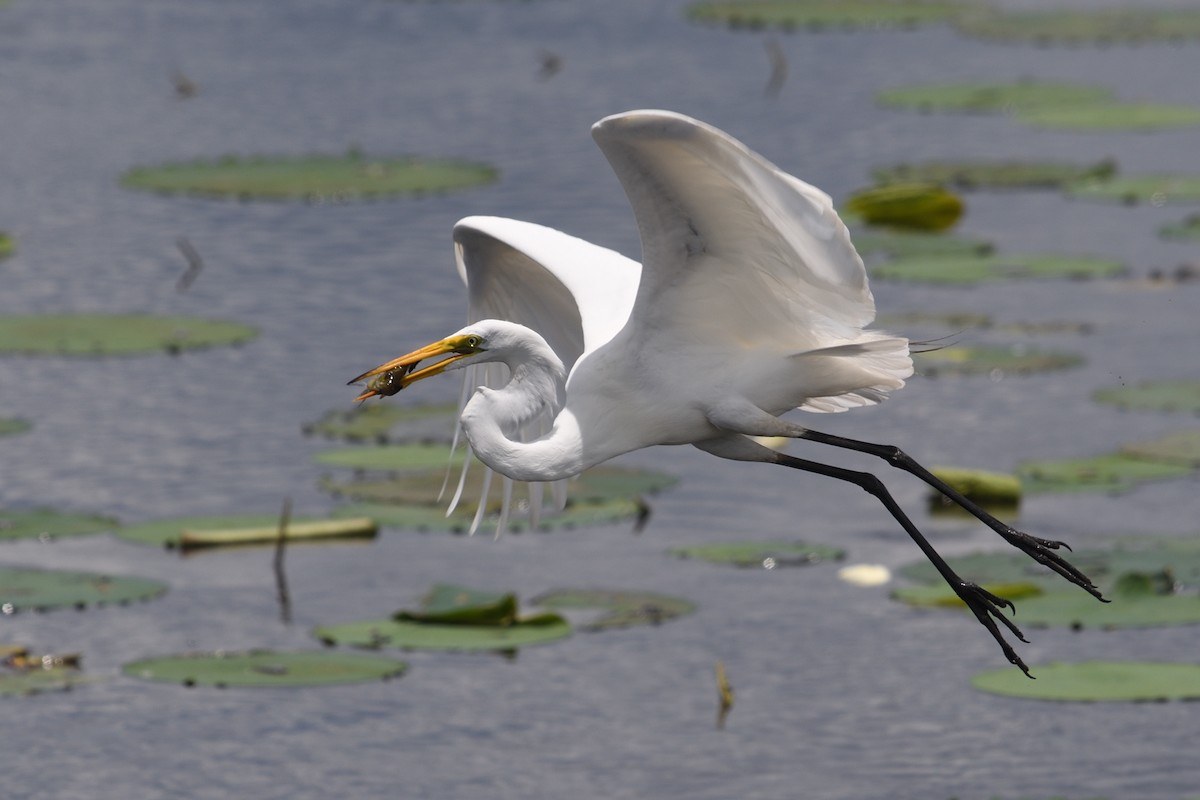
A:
[1083,26]
[391,457]
[620,608]
[1188,230]
[325,530]
[319,178]
[1113,116]
[996,491]
[36,681]
[114,334]
[1180,449]
[48,524]
[1010,174]
[265,668]
[385,422]
[261,528]
[7,245]
[1097,682]
[767,555]
[1005,98]
[991,360]
[1176,396]
[10,426]
[924,207]
[971,269]
[1111,472]
[30,589]
[822,14]
[1157,190]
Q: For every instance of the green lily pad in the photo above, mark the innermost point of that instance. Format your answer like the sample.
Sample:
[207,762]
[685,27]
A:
[169,533]
[314,178]
[904,244]
[991,360]
[993,97]
[7,245]
[375,634]
[430,519]
[36,681]
[392,457]
[996,174]
[46,523]
[1182,396]
[265,668]
[597,485]
[448,604]
[1157,190]
[11,426]
[1112,472]
[29,589]
[621,608]
[942,596]
[967,270]
[1083,26]
[114,334]
[1113,116]
[923,207]
[1097,681]
[821,14]
[328,530]
[1180,449]
[761,554]
[1188,230]
[384,422]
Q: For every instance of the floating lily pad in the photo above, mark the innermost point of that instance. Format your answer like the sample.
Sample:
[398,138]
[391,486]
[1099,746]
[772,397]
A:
[924,207]
[1113,116]
[995,491]
[26,588]
[265,668]
[452,618]
[821,14]
[392,457]
[1001,266]
[1097,682]
[1188,230]
[10,426]
[427,519]
[622,608]
[1180,449]
[951,319]
[318,531]
[114,334]
[993,97]
[384,422]
[1181,396]
[7,246]
[996,174]
[1154,189]
[903,244]
[36,681]
[992,360]
[1083,26]
[1112,472]
[169,533]
[597,485]
[45,523]
[314,178]
[761,554]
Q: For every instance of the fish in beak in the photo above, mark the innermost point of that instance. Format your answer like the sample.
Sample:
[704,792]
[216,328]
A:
[388,379]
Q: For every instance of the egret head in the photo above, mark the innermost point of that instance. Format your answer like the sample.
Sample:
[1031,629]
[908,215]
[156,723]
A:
[469,345]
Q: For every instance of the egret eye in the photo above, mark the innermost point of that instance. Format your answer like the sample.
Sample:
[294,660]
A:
[474,341]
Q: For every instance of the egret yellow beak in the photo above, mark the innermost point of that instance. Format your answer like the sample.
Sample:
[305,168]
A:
[388,379]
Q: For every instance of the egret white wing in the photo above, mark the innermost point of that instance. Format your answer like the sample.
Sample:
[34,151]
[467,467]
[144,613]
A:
[733,248]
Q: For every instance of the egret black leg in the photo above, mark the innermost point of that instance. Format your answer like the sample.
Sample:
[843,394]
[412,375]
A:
[1041,550]
[986,606]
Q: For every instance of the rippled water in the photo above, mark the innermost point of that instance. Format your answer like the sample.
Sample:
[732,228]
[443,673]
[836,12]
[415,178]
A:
[840,692]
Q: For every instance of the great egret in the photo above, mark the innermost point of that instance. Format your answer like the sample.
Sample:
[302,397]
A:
[751,302]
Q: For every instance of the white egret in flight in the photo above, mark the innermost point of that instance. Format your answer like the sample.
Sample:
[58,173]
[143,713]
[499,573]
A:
[751,302]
